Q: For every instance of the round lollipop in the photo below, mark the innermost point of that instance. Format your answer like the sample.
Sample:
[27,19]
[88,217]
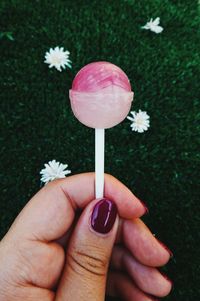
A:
[100,98]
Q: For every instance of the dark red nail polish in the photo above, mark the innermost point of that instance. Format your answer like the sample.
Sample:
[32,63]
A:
[165,247]
[145,207]
[103,216]
[166,277]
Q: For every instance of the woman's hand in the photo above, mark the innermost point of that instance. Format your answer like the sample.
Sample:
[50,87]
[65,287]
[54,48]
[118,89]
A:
[62,243]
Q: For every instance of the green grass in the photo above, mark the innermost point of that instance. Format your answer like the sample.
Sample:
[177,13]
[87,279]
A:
[37,125]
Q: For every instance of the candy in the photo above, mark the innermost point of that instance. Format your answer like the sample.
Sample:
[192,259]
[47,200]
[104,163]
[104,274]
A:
[100,98]
[101,95]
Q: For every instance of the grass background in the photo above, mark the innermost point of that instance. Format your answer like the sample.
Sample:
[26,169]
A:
[37,125]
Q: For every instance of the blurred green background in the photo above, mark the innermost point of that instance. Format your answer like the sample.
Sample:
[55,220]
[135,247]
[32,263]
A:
[37,125]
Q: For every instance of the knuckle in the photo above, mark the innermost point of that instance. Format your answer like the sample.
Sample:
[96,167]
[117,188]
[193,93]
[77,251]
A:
[87,261]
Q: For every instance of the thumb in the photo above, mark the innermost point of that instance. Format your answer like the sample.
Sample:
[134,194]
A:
[89,252]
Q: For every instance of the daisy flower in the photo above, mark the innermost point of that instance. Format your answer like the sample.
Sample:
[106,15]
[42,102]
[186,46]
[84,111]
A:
[53,170]
[57,58]
[140,121]
[153,25]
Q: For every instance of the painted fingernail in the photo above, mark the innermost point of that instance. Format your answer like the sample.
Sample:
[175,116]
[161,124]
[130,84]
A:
[146,210]
[165,247]
[166,277]
[103,216]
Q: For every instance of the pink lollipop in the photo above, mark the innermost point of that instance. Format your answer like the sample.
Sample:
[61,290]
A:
[101,98]
[101,95]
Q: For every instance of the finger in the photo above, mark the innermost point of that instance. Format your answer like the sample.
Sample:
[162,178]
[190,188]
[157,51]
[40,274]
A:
[120,285]
[33,293]
[36,293]
[63,241]
[129,206]
[142,244]
[47,261]
[148,279]
[88,253]
[50,213]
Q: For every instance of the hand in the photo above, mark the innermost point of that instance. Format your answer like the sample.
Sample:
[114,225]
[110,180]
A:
[34,265]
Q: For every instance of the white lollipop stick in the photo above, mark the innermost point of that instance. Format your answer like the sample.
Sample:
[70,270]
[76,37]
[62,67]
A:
[99,162]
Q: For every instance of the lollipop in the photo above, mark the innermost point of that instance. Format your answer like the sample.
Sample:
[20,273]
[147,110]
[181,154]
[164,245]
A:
[100,98]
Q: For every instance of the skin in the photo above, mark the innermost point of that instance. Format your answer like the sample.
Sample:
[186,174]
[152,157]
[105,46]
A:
[51,253]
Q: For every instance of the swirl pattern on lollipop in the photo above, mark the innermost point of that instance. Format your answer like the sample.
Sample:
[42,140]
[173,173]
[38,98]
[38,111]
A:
[101,95]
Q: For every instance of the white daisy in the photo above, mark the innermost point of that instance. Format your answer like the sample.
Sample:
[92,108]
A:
[53,170]
[153,25]
[140,121]
[58,58]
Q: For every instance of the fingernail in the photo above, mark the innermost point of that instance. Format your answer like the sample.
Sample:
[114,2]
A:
[103,216]
[165,247]
[146,210]
[166,277]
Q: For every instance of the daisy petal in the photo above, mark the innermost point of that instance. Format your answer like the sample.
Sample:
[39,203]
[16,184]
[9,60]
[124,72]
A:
[156,21]
[157,29]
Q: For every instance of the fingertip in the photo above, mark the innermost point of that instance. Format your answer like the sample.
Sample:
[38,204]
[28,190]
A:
[162,254]
[129,205]
[167,284]
[121,285]
[148,279]
[165,247]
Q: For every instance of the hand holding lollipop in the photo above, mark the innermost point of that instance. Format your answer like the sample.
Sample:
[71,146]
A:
[101,98]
